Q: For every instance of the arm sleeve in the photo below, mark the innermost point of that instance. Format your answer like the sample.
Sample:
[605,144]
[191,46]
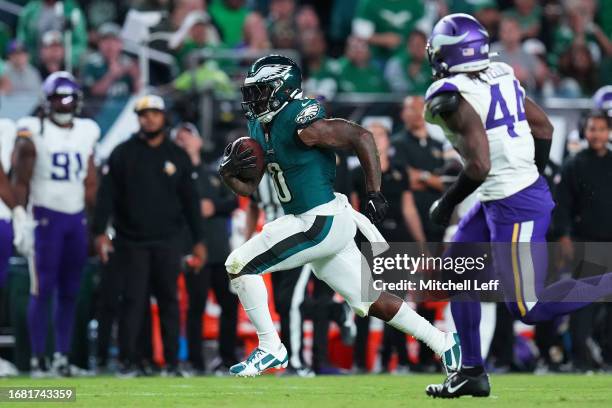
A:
[189,197]
[566,191]
[105,198]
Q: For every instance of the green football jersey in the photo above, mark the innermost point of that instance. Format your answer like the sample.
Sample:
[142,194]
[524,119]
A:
[303,176]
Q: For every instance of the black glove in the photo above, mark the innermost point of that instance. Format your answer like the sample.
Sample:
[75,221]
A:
[233,162]
[440,213]
[376,207]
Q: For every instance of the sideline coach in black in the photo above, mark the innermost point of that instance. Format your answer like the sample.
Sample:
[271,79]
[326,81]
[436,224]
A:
[148,192]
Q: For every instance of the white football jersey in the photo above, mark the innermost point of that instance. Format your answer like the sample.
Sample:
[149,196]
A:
[61,165]
[7,141]
[498,98]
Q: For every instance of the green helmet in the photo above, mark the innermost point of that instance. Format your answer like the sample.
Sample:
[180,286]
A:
[271,83]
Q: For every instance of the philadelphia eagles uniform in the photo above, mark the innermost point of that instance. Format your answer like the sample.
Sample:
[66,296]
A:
[319,225]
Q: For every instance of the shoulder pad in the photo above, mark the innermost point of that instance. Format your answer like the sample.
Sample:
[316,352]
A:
[443,102]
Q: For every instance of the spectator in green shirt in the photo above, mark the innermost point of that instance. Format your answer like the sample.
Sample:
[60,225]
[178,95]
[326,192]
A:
[201,35]
[579,27]
[357,72]
[409,70]
[229,16]
[40,16]
[528,14]
[109,72]
[386,23]
[320,71]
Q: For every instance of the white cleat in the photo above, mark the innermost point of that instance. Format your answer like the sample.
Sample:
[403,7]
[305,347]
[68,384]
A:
[259,361]
[451,357]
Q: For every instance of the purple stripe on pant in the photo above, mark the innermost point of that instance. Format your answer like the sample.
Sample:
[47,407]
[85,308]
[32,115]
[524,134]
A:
[522,217]
[6,249]
[493,221]
[60,253]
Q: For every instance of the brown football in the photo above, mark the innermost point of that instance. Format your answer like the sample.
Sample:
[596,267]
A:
[257,171]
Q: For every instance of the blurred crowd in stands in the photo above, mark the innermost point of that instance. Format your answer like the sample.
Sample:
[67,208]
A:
[558,48]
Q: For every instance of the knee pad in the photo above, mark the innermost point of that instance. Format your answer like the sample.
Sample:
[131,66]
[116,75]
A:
[233,265]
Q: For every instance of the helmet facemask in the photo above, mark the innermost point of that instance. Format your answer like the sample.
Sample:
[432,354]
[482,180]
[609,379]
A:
[62,108]
[260,100]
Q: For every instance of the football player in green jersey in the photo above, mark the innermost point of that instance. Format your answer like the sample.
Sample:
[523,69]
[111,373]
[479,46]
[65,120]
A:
[319,225]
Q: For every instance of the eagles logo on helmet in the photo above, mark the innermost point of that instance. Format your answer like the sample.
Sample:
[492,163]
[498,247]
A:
[271,83]
[62,97]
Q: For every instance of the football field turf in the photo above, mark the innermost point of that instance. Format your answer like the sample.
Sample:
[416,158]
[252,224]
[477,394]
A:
[373,391]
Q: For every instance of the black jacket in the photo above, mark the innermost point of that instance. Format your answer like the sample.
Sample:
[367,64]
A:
[584,197]
[149,192]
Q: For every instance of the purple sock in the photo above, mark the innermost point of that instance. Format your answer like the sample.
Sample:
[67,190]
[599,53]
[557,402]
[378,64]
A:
[467,321]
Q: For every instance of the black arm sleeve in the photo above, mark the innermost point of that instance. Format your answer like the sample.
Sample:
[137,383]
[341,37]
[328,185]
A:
[542,152]
[105,198]
[459,190]
[190,201]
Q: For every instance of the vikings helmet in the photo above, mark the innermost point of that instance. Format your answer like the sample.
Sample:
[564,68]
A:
[271,83]
[62,97]
[603,99]
[458,43]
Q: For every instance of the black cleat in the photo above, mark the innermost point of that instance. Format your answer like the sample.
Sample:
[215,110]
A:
[458,384]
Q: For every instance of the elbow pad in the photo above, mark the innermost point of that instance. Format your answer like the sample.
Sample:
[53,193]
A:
[444,102]
[542,152]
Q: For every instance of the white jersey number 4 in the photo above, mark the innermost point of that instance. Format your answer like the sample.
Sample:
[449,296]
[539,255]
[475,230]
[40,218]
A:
[506,119]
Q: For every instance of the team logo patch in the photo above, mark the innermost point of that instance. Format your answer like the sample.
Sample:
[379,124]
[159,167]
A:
[169,168]
[307,114]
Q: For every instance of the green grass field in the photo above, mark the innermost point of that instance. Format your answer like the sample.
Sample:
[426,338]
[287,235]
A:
[373,391]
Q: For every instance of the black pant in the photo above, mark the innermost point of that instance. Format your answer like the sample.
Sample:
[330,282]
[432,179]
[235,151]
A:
[322,309]
[393,340]
[145,267]
[108,311]
[582,325]
[211,276]
[289,289]
[360,351]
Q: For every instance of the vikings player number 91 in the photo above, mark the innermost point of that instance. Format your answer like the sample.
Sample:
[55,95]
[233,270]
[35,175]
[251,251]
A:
[54,165]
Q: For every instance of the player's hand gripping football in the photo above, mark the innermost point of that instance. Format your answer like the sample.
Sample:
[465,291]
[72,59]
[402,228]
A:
[377,207]
[234,162]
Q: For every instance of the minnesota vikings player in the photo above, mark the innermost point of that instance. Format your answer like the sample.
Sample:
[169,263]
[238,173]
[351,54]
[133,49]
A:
[504,139]
[54,166]
[8,209]
[318,226]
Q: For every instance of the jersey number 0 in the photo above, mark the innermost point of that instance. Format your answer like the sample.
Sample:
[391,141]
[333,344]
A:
[282,190]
